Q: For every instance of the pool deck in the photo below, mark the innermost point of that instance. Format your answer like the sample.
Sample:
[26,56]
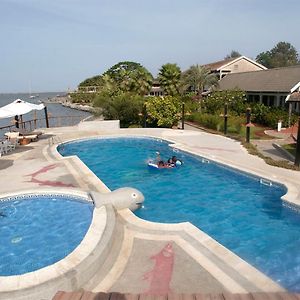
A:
[150,258]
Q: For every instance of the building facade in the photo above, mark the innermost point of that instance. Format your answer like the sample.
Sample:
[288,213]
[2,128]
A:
[234,65]
[270,87]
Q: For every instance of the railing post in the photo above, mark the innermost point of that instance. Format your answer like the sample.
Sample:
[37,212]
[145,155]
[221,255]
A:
[46,117]
[297,157]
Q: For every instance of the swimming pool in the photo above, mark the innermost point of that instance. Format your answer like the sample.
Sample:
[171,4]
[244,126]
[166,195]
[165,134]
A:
[237,209]
[38,230]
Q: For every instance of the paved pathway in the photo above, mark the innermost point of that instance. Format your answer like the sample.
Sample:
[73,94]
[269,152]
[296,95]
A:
[266,147]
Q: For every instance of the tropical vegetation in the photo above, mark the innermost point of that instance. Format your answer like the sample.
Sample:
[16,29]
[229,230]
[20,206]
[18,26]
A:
[197,79]
[122,92]
[169,79]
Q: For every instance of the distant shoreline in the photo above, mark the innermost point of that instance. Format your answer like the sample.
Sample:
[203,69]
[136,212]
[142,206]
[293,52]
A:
[65,101]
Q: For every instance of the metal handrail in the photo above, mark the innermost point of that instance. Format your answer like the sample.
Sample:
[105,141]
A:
[33,124]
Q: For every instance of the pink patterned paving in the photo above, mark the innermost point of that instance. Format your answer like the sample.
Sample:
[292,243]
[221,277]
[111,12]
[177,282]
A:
[51,183]
[161,274]
[47,182]
[43,170]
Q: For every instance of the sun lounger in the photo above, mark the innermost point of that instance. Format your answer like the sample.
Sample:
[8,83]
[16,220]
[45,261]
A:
[16,135]
[26,133]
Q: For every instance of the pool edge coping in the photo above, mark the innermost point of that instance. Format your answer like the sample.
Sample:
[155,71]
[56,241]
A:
[187,227]
[59,270]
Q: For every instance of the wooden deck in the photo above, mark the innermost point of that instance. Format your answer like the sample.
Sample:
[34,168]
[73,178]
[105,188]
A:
[84,295]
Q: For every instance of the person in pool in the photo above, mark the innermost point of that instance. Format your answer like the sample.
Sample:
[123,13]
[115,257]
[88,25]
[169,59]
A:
[174,161]
[162,165]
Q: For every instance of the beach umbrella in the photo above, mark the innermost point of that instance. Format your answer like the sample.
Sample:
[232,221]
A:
[17,108]
[4,113]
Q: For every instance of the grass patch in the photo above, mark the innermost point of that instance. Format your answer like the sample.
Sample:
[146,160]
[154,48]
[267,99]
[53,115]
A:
[268,160]
[256,133]
[251,148]
[291,148]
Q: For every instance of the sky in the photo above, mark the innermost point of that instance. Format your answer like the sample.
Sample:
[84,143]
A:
[53,45]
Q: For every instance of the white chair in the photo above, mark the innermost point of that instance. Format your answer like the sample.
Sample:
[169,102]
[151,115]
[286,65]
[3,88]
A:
[4,147]
[10,144]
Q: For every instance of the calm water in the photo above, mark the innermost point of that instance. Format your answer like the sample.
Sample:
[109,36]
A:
[235,209]
[39,231]
[54,109]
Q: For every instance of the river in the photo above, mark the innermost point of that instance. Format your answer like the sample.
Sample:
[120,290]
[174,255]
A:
[53,109]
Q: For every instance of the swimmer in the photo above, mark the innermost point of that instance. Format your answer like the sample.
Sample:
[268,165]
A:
[175,161]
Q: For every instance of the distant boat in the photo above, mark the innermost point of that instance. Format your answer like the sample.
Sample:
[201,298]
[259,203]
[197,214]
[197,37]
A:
[32,96]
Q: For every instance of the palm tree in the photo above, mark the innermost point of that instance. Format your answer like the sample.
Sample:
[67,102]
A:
[198,79]
[107,83]
[169,78]
[142,81]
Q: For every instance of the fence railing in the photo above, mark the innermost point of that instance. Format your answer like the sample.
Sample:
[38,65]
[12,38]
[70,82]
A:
[30,125]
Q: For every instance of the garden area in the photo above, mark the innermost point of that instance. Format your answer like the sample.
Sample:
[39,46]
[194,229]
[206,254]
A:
[123,93]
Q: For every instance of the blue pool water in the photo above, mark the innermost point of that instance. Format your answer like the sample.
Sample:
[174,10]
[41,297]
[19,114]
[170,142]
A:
[39,230]
[234,208]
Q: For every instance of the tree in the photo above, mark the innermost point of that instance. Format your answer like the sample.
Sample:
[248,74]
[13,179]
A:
[282,55]
[198,79]
[131,77]
[169,78]
[92,81]
[142,81]
[265,59]
[233,54]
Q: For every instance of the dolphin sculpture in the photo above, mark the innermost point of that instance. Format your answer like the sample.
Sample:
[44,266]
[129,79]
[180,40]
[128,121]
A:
[120,198]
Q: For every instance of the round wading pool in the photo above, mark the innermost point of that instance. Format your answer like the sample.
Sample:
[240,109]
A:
[38,230]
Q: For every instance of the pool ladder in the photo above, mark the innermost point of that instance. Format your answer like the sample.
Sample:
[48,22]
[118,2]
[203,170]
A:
[265,182]
[205,161]
[54,140]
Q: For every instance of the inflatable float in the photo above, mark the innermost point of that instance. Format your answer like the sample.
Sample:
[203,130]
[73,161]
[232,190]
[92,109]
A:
[152,165]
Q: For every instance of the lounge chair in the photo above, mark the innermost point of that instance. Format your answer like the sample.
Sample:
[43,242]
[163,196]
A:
[17,136]
[30,133]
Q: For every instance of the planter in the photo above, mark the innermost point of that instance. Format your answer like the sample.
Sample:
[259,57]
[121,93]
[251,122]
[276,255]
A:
[24,141]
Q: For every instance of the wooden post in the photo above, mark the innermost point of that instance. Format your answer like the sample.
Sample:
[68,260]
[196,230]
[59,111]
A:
[290,114]
[297,158]
[248,124]
[46,117]
[182,117]
[225,118]
[35,117]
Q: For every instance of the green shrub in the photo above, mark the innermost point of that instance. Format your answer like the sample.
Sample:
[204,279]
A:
[234,125]
[163,111]
[124,107]
[236,100]
[206,120]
